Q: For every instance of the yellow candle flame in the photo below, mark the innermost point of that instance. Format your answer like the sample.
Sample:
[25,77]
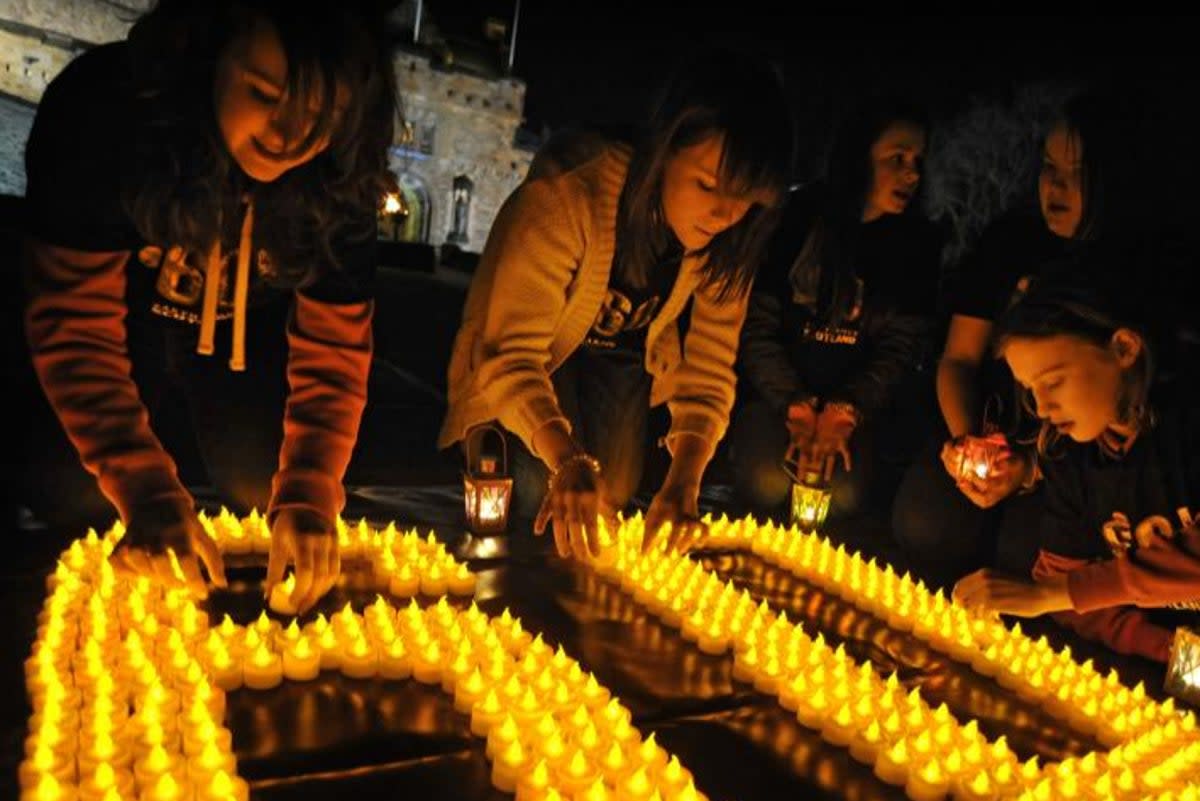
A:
[211,758]
[328,641]
[263,623]
[262,657]
[596,792]
[898,753]
[615,758]
[48,788]
[103,747]
[1030,770]
[222,660]
[514,755]
[104,776]
[578,766]
[638,783]
[491,703]
[157,760]
[43,758]
[166,787]
[932,773]
[508,729]
[221,785]
[302,649]
[360,649]
[292,632]
[539,779]
[648,749]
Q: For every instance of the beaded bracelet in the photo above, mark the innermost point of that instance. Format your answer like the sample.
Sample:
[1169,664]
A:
[586,458]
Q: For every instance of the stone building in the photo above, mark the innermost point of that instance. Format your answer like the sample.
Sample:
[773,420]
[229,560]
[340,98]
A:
[455,154]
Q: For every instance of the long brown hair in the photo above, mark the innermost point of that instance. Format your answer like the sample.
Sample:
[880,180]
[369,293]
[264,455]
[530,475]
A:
[1069,302]
[715,93]
[182,183]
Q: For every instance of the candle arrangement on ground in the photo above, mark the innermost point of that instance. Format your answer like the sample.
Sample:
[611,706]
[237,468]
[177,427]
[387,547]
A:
[1155,749]
[402,564]
[128,682]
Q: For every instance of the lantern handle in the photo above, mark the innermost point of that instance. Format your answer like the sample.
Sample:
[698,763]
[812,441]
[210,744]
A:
[474,441]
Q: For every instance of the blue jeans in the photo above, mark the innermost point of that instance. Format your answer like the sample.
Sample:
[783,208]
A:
[606,398]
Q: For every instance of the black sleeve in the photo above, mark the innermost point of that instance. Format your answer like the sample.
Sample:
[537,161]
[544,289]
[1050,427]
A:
[74,156]
[987,276]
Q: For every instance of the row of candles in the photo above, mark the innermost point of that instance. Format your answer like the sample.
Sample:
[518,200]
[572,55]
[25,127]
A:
[1093,704]
[927,751]
[402,564]
[127,683]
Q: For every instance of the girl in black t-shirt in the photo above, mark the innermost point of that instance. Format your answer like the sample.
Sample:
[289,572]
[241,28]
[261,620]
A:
[952,523]
[840,317]
[211,248]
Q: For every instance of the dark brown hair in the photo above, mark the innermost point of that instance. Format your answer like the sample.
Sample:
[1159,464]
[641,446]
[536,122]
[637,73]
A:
[714,93]
[183,185]
[1075,304]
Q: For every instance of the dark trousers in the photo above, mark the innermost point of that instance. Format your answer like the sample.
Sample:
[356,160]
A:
[223,428]
[606,398]
[946,536]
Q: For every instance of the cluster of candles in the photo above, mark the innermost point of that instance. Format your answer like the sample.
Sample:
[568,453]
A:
[128,680]
[1092,703]
[402,564]
[1155,748]
[122,707]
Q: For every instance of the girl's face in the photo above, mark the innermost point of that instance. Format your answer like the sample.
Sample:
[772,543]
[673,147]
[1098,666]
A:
[896,161]
[692,204]
[1060,184]
[249,98]
[1076,385]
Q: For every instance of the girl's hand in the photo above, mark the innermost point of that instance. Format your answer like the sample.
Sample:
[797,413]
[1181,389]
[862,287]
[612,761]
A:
[801,425]
[162,542]
[1007,476]
[835,426]
[989,590]
[574,502]
[675,514]
[303,538]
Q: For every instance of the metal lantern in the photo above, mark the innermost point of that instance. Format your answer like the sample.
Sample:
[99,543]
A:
[980,455]
[487,489]
[1183,669]
[810,495]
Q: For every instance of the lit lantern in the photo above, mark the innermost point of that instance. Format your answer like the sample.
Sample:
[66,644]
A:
[1183,668]
[486,488]
[810,494]
[978,456]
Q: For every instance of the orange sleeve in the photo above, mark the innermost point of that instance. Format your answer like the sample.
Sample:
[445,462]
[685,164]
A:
[75,326]
[1125,629]
[329,357]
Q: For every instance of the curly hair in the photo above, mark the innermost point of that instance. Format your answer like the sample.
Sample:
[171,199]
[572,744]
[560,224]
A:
[183,185]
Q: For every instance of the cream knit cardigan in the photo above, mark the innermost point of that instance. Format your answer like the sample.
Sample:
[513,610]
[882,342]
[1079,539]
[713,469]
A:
[541,281]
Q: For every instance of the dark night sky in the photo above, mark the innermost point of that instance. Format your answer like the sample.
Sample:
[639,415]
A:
[586,62]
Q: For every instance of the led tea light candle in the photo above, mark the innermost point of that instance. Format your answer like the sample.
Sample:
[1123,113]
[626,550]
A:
[427,664]
[360,660]
[330,649]
[301,661]
[262,669]
[469,692]
[532,786]
[156,764]
[48,788]
[226,673]
[395,663]
[404,582]
[576,774]
[434,581]
[510,764]
[223,786]
[486,714]
[930,783]
[892,764]
[460,581]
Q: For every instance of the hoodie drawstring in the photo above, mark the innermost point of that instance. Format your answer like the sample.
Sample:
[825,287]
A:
[241,291]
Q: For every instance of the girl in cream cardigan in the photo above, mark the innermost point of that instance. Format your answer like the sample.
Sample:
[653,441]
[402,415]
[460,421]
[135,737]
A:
[571,329]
